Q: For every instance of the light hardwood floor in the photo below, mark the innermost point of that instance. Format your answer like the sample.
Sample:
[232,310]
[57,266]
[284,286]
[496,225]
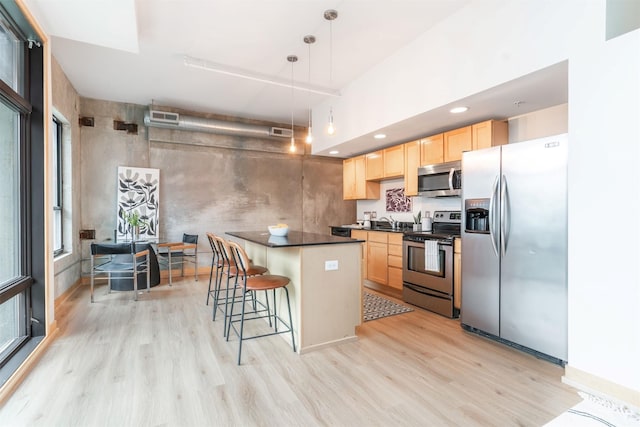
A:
[162,361]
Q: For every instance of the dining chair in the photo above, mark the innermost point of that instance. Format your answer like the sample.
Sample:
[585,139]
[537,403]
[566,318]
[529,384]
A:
[180,253]
[121,261]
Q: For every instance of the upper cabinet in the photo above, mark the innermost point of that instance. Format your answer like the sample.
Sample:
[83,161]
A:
[387,163]
[455,142]
[432,150]
[489,134]
[363,173]
[411,165]
[394,161]
[354,180]
[375,165]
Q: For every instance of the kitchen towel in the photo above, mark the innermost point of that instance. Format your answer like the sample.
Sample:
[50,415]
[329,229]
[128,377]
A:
[431,256]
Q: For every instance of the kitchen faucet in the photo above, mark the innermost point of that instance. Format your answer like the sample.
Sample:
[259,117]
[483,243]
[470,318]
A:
[390,220]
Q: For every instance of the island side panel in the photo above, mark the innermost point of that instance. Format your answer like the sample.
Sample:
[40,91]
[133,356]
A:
[285,262]
[331,299]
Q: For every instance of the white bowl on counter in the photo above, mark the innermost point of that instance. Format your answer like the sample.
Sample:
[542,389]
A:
[278,231]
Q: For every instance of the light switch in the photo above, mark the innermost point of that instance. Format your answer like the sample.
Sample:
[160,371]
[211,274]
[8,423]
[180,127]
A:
[331,265]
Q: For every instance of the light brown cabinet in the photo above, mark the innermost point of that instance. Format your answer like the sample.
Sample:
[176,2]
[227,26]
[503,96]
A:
[457,273]
[394,260]
[375,165]
[394,161]
[362,235]
[354,182]
[432,150]
[411,165]
[457,141]
[377,256]
[490,133]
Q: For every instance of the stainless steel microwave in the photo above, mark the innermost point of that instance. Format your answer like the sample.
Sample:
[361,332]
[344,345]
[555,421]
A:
[440,180]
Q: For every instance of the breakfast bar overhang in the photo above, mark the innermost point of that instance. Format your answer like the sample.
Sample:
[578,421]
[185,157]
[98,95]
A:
[326,282]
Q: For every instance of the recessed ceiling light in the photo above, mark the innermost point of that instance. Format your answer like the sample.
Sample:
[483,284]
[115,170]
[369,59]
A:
[458,110]
[333,152]
[379,136]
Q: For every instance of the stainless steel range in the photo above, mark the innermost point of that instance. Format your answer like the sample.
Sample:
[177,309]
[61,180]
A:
[428,269]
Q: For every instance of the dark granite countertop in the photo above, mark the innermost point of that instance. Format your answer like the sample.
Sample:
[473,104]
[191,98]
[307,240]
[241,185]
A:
[384,228]
[294,238]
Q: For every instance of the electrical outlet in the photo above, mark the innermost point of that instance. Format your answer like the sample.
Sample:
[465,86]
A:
[331,265]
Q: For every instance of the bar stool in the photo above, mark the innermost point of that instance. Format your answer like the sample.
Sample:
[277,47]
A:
[217,262]
[230,270]
[251,284]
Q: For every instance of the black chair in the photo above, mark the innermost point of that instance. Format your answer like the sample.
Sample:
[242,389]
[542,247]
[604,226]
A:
[127,266]
[180,253]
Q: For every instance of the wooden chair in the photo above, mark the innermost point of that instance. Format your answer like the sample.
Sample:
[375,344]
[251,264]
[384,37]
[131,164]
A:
[123,260]
[180,253]
[246,284]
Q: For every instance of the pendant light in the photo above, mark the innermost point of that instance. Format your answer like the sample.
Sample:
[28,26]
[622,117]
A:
[292,59]
[309,40]
[330,15]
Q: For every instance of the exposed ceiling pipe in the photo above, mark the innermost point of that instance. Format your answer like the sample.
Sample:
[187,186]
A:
[168,120]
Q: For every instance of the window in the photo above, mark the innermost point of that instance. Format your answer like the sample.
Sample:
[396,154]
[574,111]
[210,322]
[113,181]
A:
[22,296]
[56,138]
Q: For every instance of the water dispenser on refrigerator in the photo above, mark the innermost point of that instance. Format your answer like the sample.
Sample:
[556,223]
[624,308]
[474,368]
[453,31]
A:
[477,215]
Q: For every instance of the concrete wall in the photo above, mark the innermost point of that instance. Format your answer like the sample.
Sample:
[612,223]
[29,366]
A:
[208,182]
[66,102]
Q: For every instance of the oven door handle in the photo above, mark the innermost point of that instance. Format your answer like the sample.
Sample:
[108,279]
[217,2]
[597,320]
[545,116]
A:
[493,215]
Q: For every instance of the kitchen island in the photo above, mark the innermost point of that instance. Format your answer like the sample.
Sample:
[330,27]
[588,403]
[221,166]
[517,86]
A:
[326,282]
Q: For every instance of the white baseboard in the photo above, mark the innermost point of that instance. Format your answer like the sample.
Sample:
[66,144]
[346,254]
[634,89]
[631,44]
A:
[601,387]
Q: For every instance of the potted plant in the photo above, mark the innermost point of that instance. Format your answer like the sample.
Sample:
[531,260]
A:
[135,221]
[417,225]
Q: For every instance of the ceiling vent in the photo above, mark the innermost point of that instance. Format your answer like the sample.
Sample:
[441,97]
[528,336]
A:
[282,132]
[164,117]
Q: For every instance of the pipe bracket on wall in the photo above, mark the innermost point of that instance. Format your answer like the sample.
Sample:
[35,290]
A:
[86,121]
[131,128]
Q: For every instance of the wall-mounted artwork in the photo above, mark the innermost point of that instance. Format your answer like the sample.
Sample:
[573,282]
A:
[138,193]
[397,201]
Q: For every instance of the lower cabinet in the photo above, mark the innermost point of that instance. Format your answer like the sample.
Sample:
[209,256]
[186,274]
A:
[384,258]
[362,235]
[377,257]
[457,273]
[394,260]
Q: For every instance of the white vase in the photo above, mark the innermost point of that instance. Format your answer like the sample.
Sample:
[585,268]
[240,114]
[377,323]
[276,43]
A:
[417,227]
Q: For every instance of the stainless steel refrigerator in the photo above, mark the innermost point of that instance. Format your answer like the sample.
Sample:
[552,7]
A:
[514,244]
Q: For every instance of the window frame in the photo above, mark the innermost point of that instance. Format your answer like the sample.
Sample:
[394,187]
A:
[58,200]
[28,99]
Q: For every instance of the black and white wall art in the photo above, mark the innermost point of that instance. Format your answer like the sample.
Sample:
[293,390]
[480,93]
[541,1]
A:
[138,195]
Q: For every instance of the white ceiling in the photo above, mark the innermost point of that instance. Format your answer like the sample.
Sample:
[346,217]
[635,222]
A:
[134,50]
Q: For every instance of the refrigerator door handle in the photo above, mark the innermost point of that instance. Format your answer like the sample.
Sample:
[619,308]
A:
[492,219]
[504,216]
[451,172]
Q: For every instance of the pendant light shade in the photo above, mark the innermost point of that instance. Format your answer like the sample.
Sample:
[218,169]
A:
[330,15]
[292,59]
[309,40]
[330,128]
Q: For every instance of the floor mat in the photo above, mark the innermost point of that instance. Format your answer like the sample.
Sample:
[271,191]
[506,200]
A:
[376,307]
